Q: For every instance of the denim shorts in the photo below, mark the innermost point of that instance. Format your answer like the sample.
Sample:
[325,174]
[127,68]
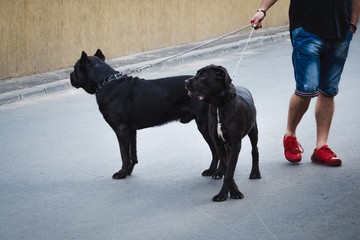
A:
[318,63]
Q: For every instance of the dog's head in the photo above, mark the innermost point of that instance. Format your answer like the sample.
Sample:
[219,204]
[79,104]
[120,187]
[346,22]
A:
[88,71]
[211,84]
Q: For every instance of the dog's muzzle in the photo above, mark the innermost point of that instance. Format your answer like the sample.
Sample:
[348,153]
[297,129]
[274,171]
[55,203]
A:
[199,97]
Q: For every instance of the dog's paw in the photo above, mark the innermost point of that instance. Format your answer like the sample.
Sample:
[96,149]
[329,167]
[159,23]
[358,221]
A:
[208,172]
[220,197]
[217,175]
[119,175]
[234,191]
[255,175]
[236,194]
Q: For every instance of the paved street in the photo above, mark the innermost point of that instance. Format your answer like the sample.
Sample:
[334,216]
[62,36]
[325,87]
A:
[57,157]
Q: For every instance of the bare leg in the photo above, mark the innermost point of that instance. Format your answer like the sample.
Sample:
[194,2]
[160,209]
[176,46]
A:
[324,111]
[297,108]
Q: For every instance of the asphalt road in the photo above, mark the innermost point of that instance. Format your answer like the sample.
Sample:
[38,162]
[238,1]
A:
[57,157]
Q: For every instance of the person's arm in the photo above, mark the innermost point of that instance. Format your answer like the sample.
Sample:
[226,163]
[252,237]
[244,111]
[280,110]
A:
[355,15]
[261,13]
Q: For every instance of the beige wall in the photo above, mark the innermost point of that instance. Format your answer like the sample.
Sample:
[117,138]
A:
[43,35]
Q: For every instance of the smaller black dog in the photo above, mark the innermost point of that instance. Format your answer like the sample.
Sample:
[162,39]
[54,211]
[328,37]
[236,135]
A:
[232,116]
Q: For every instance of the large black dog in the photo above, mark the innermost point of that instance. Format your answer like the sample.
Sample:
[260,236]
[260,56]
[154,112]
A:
[232,116]
[129,103]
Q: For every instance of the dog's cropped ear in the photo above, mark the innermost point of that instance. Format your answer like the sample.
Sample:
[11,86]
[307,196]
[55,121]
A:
[100,55]
[84,58]
[84,61]
[225,75]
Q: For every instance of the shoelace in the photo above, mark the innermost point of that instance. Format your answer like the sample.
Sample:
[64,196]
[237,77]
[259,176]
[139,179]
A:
[326,148]
[294,146]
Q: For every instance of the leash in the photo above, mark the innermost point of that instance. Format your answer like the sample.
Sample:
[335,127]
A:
[242,54]
[140,69]
[219,131]
[119,75]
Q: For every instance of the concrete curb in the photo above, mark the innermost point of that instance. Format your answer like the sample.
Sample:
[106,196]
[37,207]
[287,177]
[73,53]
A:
[22,94]
[197,55]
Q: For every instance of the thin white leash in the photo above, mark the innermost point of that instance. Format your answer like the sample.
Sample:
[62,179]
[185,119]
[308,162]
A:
[242,54]
[219,131]
[139,69]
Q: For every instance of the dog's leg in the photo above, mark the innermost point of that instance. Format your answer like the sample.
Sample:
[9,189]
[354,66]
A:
[229,184]
[202,124]
[253,135]
[221,151]
[214,162]
[212,170]
[219,146]
[220,171]
[123,135]
[133,154]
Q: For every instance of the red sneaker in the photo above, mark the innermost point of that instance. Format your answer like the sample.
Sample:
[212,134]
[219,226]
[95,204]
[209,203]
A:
[326,156]
[292,149]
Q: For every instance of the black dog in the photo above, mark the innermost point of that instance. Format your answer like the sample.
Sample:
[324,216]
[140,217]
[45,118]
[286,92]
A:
[129,103]
[232,116]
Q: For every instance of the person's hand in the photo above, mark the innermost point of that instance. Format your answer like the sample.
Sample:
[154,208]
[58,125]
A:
[257,19]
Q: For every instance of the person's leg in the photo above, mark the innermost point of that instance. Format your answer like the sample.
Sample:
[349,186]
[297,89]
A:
[306,63]
[306,59]
[324,111]
[332,64]
[297,108]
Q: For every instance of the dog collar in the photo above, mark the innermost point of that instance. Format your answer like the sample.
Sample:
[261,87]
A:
[113,77]
[231,93]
